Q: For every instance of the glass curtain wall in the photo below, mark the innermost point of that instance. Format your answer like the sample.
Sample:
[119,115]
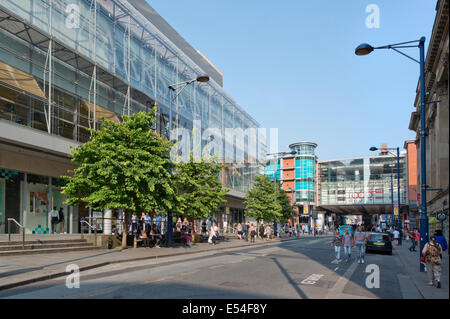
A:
[363,180]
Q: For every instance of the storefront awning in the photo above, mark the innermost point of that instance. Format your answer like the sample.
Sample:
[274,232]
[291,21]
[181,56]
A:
[20,80]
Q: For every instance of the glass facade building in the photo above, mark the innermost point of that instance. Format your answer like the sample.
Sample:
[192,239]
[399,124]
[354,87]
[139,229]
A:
[64,65]
[305,171]
[362,181]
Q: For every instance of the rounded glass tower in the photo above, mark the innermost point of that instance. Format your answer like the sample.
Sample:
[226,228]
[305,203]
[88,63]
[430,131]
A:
[305,161]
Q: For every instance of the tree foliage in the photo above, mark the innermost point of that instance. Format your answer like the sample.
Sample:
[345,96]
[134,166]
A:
[260,200]
[125,166]
[283,199]
[199,189]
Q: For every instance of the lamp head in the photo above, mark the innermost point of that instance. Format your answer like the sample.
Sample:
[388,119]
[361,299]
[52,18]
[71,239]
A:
[203,78]
[373,149]
[363,49]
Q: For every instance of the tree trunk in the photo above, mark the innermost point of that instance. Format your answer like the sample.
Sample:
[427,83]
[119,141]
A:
[125,231]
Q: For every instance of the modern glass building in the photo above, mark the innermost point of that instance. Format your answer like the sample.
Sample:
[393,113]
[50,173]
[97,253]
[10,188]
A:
[362,185]
[305,171]
[66,64]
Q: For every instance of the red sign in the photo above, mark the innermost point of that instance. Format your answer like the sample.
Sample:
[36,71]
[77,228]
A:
[418,197]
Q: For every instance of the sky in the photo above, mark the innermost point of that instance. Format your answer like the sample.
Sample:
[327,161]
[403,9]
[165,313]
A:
[291,65]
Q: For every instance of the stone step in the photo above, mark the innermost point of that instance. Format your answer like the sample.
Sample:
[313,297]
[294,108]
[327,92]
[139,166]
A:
[42,242]
[47,250]
[44,246]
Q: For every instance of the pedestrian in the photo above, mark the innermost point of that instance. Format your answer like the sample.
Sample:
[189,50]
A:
[290,230]
[337,242]
[261,231]
[440,239]
[54,219]
[252,233]
[360,241]
[396,234]
[239,231]
[134,223]
[413,240]
[212,234]
[156,235]
[348,245]
[246,230]
[61,220]
[186,235]
[433,258]
[203,227]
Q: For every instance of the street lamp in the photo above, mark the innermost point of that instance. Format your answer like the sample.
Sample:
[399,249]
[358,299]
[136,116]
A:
[275,232]
[399,222]
[180,87]
[365,49]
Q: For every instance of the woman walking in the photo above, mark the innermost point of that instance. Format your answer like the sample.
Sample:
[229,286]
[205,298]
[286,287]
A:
[239,231]
[433,258]
[338,242]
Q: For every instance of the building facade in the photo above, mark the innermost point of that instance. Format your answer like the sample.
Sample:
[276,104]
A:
[364,186]
[437,122]
[297,174]
[64,65]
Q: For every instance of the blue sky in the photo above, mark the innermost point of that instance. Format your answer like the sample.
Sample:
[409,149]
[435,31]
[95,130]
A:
[291,65]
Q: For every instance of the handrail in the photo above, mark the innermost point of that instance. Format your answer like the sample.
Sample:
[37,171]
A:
[23,231]
[93,227]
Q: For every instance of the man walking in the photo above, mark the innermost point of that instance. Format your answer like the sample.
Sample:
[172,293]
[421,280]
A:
[54,219]
[413,241]
[361,241]
[348,245]
[396,234]
[337,242]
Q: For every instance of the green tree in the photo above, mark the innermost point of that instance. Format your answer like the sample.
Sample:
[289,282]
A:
[199,189]
[260,200]
[124,166]
[283,199]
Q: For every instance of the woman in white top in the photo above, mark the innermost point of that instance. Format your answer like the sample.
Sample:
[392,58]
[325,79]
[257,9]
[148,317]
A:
[212,234]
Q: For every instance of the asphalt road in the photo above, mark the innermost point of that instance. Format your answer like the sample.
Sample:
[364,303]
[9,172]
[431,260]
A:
[299,269]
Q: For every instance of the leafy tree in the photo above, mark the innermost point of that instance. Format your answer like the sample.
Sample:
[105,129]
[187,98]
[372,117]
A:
[199,189]
[260,200]
[125,166]
[285,202]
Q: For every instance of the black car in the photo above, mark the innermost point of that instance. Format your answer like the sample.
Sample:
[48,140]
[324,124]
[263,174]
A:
[379,242]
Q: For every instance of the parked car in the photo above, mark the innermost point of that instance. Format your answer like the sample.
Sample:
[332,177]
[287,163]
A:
[379,242]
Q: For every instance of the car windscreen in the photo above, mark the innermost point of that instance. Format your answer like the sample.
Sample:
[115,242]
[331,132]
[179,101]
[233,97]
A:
[377,237]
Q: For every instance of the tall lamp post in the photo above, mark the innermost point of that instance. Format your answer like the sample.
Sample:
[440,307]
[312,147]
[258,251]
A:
[399,220]
[177,88]
[364,49]
[275,231]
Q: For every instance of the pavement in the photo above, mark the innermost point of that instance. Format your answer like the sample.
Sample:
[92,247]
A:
[411,263]
[17,271]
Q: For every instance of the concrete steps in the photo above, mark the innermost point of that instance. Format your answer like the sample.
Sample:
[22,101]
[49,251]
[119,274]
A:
[14,248]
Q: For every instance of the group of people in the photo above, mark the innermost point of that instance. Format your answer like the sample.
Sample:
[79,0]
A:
[347,241]
[248,230]
[57,218]
[431,253]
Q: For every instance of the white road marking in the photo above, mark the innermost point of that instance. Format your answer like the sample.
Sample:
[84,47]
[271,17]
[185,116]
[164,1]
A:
[338,288]
[311,280]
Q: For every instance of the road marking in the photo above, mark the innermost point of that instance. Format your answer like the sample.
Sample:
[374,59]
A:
[237,261]
[263,255]
[336,268]
[157,280]
[311,280]
[189,273]
[340,284]
[215,267]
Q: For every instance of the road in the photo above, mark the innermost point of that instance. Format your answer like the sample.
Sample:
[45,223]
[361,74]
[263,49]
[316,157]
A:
[299,269]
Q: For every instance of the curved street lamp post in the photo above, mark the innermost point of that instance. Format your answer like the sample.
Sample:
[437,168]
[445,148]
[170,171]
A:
[364,49]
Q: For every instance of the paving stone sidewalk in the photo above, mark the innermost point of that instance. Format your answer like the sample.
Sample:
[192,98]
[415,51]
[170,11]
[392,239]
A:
[21,270]
[410,261]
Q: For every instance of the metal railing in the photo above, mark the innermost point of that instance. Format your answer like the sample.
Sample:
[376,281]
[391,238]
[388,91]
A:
[23,230]
[93,227]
